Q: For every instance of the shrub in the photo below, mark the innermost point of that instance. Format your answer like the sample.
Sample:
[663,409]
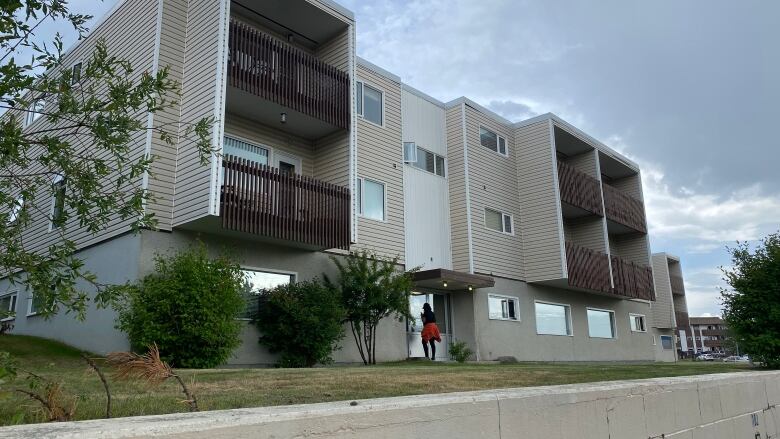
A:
[460,352]
[302,322]
[187,307]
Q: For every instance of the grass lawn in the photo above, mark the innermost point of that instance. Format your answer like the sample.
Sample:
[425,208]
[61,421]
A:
[235,388]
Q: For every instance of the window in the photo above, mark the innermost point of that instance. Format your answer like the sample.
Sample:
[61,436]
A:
[34,304]
[666,342]
[257,281]
[75,74]
[601,323]
[58,202]
[34,112]
[503,307]
[553,319]
[16,210]
[423,159]
[637,322]
[369,103]
[499,221]
[7,306]
[245,150]
[492,141]
[371,199]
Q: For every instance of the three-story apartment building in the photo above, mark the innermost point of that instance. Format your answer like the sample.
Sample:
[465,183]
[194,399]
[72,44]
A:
[530,236]
[670,310]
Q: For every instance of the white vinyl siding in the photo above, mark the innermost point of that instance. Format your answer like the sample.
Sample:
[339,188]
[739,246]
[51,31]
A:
[553,319]
[503,307]
[601,323]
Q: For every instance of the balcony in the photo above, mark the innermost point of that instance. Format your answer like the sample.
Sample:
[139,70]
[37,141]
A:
[579,189]
[263,66]
[260,200]
[677,285]
[587,268]
[682,319]
[632,280]
[624,209]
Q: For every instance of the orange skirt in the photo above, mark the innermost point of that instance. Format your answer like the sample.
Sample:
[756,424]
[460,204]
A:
[431,332]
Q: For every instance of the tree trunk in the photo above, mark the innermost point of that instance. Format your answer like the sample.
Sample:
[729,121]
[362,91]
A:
[356,334]
[373,347]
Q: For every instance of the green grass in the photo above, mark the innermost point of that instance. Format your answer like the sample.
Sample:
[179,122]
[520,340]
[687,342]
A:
[235,388]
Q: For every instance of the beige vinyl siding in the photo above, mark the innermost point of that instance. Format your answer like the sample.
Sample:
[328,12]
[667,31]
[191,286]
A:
[586,231]
[336,51]
[162,177]
[199,97]
[273,139]
[379,157]
[585,162]
[539,221]
[493,185]
[632,247]
[663,311]
[129,34]
[457,187]
[331,158]
[632,185]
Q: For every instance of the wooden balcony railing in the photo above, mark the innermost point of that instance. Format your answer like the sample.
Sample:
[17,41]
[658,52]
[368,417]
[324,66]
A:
[632,280]
[579,189]
[714,332]
[682,319]
[587,268]
[274,70]
[678,286]
[624,209]
[258,199]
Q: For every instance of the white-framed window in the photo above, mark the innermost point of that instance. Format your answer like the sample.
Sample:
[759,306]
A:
[8,306]
[499,221]
[553,318]
[492,141]
[601,323]
[503,307]
[16,210]
[257,281]
[371,199]
[236,147]
[666,342]
[59,187]
[34,112]
[370,103]
[637,322]
[75,73]
[33,305]
[423,159]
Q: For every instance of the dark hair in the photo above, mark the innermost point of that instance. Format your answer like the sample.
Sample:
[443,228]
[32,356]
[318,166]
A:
[427,306]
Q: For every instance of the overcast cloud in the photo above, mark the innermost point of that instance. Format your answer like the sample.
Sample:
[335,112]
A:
[689,90]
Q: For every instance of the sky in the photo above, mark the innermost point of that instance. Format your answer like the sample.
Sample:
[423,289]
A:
[688,90]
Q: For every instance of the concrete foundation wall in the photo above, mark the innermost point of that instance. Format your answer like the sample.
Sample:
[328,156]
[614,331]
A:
[725,406]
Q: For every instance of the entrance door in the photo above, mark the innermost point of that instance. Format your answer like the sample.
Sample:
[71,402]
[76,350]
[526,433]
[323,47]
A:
[441,307]
[288,166]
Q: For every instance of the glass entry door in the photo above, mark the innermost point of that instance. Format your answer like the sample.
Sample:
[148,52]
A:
[441,307]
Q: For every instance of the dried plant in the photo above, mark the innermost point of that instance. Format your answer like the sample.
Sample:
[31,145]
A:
[150,368]
[56,405]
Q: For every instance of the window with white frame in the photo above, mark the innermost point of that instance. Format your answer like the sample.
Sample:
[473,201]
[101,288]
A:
[59,187]
[666,342]
[34,304]
[601,323]
[34,112]
[503,307]
[75,74]
[499,221]
[16,209]
[553,319]
[245,150]
[637,322]
[492,141]
[369,102]
[371,199]
[7,306]
[257,281]
[423,159]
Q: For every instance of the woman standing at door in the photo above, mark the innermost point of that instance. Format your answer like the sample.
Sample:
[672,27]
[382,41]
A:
[430,332]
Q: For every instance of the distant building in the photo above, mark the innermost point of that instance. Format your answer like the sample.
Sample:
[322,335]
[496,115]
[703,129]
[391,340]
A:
[703,334]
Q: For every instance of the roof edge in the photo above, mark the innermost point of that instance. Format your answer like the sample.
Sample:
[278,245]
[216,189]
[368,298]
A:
[376,69]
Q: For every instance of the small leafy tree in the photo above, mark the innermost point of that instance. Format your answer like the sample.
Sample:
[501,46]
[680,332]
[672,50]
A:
[371,288]
[460,351]
[301,321]
[751,307]
[187,307]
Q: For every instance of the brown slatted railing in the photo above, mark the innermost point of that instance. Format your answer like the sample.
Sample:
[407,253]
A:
[678,287]
[579,189]
[587,268]
[624,209]
[271,69]
[682,319]
[632,280]
[258,199]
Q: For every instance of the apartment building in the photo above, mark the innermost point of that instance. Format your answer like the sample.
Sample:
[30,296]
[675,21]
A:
[705,334]
[670,309]
[530,236]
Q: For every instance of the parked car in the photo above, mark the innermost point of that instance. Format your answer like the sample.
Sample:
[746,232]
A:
[736,359]
[705,357]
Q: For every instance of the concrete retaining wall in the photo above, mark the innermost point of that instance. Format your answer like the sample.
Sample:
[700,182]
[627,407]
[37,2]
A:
[724,406]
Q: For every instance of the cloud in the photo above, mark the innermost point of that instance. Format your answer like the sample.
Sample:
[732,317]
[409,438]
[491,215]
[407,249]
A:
[512,110]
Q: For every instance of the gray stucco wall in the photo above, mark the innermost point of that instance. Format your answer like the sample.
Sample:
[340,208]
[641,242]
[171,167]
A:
[115,262]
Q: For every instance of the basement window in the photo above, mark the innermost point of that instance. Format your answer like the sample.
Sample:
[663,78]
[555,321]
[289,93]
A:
[503,307]
[637,322]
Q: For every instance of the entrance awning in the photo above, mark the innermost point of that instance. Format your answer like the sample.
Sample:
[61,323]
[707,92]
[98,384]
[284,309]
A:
[450,280]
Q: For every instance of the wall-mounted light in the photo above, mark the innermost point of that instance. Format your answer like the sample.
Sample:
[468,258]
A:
[471,288]
[444,284]
[290,38]
[283,118]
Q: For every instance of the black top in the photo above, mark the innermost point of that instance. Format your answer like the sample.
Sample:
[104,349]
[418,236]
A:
[429,316]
